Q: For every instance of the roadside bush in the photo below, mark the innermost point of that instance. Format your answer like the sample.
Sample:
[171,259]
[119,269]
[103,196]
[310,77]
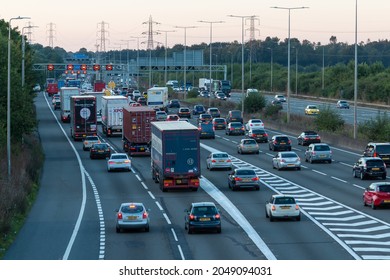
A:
[271,111]
[254,103]
[377,129]
[329,120]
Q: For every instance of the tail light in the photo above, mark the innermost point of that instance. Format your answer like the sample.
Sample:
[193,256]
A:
[127,161]
[217,216]
[273,208]
[119,216]
[237,179]
[296,207]
[229,160]
[194,182]
[289,141]
[111,162]
[375,154]
[192,217]
[213,160]
[145,215]
[255,179]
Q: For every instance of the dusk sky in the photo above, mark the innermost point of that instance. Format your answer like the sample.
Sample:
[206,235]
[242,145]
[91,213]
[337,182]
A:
[77,24]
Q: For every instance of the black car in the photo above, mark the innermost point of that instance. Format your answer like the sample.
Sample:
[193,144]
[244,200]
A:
[371,167]
[202,216]
[234,116]
[259,134]
[235,128]
[308,137]
[174,103]
[206,130]
[280,143]
[219,123]
[381,150]
[101,150]
[198,109]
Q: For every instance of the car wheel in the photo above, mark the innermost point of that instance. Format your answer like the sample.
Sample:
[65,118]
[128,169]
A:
[219,230]
[384,176]
[354,173]
[118,230]
[84,149]
[373,205]
[258,152]
[257,188]
[289,149]
[298,218]
[108,169]
[147,229]
[364,202]
[271,218]
[266,214]
[306,159]
[298,168]
[330,161]
[189,230]
[362,177]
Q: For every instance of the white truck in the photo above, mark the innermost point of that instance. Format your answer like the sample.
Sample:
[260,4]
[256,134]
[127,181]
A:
[112,116]
[204,84]
[98,95]
[65,94]
[158,98]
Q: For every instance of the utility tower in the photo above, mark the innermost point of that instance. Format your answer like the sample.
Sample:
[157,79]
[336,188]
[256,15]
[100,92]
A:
[29,32]
[102,35]
[252,28]
[51,32]
[150,32]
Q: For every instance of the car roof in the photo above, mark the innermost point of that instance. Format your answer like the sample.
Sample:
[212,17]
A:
[203,204]
[282,195]
[380,184]
[132,203]
[371,158]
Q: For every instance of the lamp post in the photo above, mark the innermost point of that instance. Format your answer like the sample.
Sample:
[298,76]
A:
[296,71]
[166,52]
[9,97]
[288,57]
[272,63]
[185,58]
[23,50]
[355,79]
[211,42]
[137,58]
[323,67]
[242,59]
[127,61]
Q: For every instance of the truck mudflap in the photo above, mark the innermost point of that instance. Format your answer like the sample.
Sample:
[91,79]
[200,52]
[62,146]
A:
[192,183]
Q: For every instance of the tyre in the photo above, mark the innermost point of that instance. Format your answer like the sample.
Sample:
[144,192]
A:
[364,202]
[118,230]
[354,173]
[219,230]
[298,218]
[373,205]
[362,176]
[190,231]
[257,188]
[147,228]
[266,214]
[271,219]
[384,176]
[330,161]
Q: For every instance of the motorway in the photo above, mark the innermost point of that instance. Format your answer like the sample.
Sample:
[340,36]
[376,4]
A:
[73,217]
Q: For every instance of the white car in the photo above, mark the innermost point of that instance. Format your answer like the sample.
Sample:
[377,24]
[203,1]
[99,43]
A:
[132,215]
[254,123]
[119,161]
[282,207]
[219,160]
[136,94]
[281,98]
[89,141]
[286,160]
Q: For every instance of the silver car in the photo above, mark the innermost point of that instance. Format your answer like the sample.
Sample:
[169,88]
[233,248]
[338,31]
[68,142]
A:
[132,215]
[119,161]
[219,160]
[161,115]
[248,146]
[243,178]
[286,160]
[318,152]
[282,207]
[89,141]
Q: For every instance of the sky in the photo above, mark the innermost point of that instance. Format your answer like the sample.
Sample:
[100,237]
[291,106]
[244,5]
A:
[78,24]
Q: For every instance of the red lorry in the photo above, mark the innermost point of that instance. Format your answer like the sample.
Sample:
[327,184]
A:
[83,116]
[52,88]
[137,129]
[99,86]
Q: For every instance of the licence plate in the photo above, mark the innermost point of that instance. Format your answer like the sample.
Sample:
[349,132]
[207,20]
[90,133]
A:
[385,158]
[119,162]
[246,180]
[282,143]
[221,161]
[141,149]
[284,207]
[100,151]
[178,181]
[322,155]
[386,201]
[290,164]
[375,168]
[132,217]
[204,219]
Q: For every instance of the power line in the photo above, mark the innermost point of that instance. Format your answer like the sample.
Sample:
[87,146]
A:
[51,35]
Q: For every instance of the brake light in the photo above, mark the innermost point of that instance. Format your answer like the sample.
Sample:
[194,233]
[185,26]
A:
[213,160]
[273,208]
[289,141]
[229,160]
[266,134]
[119,216]
[145,215]
[255,179]
[194,182]
[192,217]
[237,179]
[375,154]
[168,183]
[111,162]
[296,207]
[217,216]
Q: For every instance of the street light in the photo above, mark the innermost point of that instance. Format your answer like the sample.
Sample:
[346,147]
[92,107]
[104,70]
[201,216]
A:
[272,62]
[242,59]
[9,97]
[296,70]
[288,56]
[137,58]
[355,79]
[166,52]
[211,42]
[23,50]
[185,58]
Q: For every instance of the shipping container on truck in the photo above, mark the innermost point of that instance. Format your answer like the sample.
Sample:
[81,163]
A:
[60,83]
[112,116]
[157,97]
[99,86]
[83,116]
[175,155]
[65,94]
[137,130]
[98,95]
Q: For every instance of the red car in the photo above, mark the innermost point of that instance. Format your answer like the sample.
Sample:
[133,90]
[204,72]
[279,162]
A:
[377,194]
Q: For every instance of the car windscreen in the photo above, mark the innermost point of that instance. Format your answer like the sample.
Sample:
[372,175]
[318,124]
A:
[384,188]
[321,148]
[374,162]
[236,114]
[282,139]
[258,131]
[245,172]
[132,209]
[100,146]
[284,200]
[249,142]
[383,149]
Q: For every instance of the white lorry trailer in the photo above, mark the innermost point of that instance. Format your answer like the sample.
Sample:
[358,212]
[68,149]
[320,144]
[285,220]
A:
[112,116]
